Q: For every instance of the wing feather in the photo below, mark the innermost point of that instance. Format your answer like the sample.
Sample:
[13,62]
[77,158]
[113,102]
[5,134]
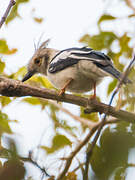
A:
[69,57]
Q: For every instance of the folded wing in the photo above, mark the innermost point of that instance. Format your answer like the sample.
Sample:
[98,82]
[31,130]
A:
[69,57]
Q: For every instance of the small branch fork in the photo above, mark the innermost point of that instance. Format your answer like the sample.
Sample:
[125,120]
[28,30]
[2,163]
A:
[30,160]
[4,17]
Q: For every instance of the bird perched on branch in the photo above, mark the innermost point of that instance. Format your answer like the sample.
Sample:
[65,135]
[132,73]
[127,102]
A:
[74,69]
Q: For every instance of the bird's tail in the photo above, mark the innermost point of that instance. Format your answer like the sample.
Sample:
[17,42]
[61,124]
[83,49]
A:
[115,73]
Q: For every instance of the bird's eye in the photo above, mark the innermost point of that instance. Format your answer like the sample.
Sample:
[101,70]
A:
[37,61]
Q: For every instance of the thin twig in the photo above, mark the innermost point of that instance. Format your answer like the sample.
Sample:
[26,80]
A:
[90,151]
[129,3]
[4,17]
[86,122]
[30,160]
[78,148]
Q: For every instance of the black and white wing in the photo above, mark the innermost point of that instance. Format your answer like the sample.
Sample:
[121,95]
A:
[66,58]
[69,57]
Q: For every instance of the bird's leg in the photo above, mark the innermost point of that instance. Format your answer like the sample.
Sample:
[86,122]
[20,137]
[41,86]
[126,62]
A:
[94,88]
[62,91]
[88,109]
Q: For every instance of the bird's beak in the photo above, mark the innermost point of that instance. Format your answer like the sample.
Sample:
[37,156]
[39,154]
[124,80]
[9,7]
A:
[28,75]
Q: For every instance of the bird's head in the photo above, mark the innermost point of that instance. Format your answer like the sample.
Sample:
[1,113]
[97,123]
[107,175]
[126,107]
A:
[40,60]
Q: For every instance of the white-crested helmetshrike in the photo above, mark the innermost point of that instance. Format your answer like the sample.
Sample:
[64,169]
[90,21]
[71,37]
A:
[74,69]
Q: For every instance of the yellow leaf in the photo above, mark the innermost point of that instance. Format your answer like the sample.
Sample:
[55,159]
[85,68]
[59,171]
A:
[38,20]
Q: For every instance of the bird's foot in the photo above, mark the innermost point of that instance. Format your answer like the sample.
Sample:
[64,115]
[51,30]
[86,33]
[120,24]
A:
[92,97]
[89,109]
[61,92]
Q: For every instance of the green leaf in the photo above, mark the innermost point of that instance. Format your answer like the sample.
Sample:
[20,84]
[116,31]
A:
[4,100]
[2,66]
[43,81]
[14,12]
[112,86]
[92,116]
[103,40]
[70,176]
[19,74]
[124,45]
[59,141]
[105,17]
[4,126]
[38,20]
[120,174]
[4,49]
[32,100]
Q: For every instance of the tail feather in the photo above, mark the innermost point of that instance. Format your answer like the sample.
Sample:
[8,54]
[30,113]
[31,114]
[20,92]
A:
[115,73]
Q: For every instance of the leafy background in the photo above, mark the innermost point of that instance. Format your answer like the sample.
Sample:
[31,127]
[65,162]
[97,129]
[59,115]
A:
[112,155]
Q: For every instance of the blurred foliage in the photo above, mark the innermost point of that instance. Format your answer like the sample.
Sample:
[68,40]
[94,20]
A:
[14,12]
[70,176]
[112,151]
[105,17]
[4,49]
[13,168]
[4,124]
[59,141]
[38,20]
[110,158]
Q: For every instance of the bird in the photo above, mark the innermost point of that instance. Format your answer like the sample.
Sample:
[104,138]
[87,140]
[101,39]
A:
[77,70]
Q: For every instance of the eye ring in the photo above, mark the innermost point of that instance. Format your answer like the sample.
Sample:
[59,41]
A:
[37,61]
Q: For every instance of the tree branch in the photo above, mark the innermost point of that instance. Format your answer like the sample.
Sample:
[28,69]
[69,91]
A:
[14,88]
[90,150]
[3,19]
[129,3]
[84,142]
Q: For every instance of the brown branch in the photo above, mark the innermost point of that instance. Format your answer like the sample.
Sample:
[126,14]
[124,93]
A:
[129,3]
[72,155]
[30,160]
[3,19]
[84,142]
[14,88]
[90,150]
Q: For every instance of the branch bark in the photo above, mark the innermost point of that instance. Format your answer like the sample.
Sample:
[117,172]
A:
[15,88]
[3,19]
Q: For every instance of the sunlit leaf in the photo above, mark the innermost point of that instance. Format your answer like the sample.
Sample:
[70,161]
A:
[40,81]
[4,49]
[4,125]
[14,12]
[70,176]
[59,141]
[124,44]
[2,66]
[38,20]
[5,101]
[100,41]
[92,116]
[19,74]
[32,100]
[120,174]
[112,86]
[105,17]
